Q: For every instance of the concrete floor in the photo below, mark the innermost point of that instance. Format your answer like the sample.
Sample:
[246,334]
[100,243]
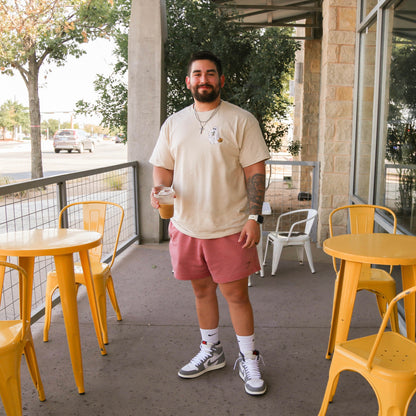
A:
[159,333]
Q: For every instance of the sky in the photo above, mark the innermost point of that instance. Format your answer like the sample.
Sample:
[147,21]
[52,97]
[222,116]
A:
[61,87]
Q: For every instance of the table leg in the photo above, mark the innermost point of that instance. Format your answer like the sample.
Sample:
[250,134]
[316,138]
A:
[260,251]
[28,264]
[66,279]
[86,268]
[344,299]
[409,280]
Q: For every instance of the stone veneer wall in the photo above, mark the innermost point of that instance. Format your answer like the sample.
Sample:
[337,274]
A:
[311,91]
[310,113]
[336,108]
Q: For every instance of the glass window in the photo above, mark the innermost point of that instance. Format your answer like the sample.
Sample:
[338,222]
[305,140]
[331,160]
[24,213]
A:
[365,112]
[396,161]
[366,7]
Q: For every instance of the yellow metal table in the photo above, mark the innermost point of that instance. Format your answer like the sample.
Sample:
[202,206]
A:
[354,250]
[61,244]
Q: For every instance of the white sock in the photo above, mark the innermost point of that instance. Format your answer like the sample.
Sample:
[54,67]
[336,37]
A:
[210,335]
[246,343]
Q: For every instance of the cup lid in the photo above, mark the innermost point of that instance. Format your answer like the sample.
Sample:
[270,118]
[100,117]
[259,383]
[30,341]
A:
[165,192]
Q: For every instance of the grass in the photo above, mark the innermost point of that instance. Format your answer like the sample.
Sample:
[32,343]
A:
[115,182]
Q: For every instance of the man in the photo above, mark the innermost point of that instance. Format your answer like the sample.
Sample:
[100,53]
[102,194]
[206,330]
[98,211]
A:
[213,154]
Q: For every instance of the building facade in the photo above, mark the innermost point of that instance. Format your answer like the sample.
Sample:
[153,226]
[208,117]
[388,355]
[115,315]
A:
[358,85]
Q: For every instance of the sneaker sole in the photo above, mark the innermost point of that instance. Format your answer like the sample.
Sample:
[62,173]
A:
[251,392]
[210,368]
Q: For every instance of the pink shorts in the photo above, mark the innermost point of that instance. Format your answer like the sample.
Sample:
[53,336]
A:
[224,259]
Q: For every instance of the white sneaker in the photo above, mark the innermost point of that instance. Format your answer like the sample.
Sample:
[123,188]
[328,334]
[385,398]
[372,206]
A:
[210,357]
[248,369]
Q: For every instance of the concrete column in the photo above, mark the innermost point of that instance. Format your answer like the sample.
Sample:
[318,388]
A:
[146,101]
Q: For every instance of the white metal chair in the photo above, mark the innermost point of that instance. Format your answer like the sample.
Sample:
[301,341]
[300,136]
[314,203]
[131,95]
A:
[290,231]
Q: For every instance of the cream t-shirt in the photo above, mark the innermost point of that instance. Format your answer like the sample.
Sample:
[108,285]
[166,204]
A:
[208,179]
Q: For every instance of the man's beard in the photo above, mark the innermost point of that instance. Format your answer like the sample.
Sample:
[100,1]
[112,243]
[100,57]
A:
[206,96]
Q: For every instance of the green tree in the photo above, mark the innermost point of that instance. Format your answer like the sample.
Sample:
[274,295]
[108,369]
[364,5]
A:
[257,64]
[12,116]
[51,126]
[401,131]
[403,82]
[93,129]
[111,104]
[69,125]
[37,31]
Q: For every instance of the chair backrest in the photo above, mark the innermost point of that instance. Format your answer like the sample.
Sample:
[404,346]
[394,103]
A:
[310,220]
[306,223]
[93,219]
[361,220]
[383,325]
[23,291]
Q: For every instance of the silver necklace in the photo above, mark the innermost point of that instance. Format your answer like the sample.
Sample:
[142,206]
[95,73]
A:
[204,123]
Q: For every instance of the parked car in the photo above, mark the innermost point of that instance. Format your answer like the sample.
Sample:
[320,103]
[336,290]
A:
[72,139]
[120,138]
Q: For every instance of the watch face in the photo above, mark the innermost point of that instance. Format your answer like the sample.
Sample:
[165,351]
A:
[260,219]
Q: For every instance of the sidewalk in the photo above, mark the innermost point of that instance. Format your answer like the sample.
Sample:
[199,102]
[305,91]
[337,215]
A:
[159,333]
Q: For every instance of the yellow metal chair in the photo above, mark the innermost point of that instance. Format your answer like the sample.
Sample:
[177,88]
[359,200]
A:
[93,217]
[377,281]
[387,360]
[16,339]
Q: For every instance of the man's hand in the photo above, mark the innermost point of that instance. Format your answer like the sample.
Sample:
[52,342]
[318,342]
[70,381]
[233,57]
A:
[154,201]
[251,234]
[163,177]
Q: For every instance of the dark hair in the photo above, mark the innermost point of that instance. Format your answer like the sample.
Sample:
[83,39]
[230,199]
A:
[197,56]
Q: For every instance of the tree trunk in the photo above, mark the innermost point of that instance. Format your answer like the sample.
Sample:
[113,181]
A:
[34,110]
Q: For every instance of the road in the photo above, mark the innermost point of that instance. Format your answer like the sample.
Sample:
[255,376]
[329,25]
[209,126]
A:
[15,159]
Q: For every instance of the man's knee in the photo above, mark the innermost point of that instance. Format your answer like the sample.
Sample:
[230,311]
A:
[235,293]
[204,288]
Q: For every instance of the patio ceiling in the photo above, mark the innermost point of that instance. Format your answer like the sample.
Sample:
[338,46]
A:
[283,13]
[405,21]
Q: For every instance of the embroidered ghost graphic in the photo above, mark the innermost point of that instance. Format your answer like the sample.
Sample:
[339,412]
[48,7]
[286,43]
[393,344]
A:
[214,136]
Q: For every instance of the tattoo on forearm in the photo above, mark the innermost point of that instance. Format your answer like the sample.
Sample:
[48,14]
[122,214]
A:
[255,193]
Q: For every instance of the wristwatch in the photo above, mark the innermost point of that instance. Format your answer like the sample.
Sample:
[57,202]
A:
[257,218]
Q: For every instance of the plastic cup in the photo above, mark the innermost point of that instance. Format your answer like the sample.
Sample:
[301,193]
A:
[166,198]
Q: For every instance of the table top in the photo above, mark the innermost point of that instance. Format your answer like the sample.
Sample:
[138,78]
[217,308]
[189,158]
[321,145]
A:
[377,248]
[46,242]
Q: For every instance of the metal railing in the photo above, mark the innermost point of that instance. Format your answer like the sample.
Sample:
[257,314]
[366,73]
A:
[290,185]
[36,204]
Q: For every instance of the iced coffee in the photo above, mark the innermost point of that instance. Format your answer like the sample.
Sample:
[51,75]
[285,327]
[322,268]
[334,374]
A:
[166,198]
